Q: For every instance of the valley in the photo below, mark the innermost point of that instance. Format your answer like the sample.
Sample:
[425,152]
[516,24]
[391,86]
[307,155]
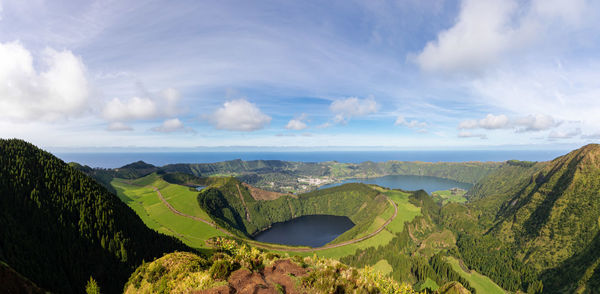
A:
[489,239]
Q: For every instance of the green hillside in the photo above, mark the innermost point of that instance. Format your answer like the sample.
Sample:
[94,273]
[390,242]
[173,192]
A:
[59,227]
[231,205]
[554,219]
[286,176]
[237,268]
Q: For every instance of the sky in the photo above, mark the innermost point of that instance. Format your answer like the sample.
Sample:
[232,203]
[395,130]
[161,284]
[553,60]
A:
[410,74]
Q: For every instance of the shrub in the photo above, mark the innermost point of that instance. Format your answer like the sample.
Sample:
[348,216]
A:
[92,287]
[221,269]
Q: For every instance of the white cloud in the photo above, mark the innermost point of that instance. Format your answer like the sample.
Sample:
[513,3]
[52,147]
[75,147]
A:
[401,121]
[464,134]
[344,109]
[239,115]
[534,123]
[561,134]
[530,123]
[170,126]
[163,104]
[486,30]
[57,92]
[119,126]
[490,122]
[481,33]
[297,123]
[566,90]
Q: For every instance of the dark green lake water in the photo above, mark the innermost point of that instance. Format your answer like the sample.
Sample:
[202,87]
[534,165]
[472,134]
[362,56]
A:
[309,230]
[318,230]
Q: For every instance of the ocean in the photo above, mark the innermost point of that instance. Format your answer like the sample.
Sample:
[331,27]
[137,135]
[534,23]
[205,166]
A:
[118,159]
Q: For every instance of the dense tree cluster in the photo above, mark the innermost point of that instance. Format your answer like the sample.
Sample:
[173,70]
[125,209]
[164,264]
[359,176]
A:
[222,201]
[494,259]
[58,227]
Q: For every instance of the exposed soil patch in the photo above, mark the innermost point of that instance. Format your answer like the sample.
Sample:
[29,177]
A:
[225,289]
[260,194]
[281,276]
[463,266]
[244,203]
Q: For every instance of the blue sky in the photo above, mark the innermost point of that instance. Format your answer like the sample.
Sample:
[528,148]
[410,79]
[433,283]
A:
[400,74]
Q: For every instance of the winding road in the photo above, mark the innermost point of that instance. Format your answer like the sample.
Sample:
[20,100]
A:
[281,248]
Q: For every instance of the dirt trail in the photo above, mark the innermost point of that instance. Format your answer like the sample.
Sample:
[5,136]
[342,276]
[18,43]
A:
[244,203]
[274,246]
[175,211]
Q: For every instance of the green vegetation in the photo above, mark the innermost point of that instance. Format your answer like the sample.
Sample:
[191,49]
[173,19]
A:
[237,266]
[480,283]
[497,261]
[426,285]
[232,206]
[524,227]
[92,287]
[413,252]
[286,176]
[383,267]
[539,221]
[452,195]
[466,172]
[140,196]
[59,227]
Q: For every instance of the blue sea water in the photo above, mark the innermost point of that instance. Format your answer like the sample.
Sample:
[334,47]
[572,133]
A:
[114,159]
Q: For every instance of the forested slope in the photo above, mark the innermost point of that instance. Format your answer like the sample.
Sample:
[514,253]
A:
[59,227]
[231,205]
[555,219]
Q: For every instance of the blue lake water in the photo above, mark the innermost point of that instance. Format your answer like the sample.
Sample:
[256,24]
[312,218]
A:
[118,159]
[309,230]
[409,183]
[318,230]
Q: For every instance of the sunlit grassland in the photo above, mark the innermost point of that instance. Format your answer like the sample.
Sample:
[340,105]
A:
[155,214]
[406,210]
[406,213]
[449,197]
[383,266]
[427,283]
[481,283]
[140,196]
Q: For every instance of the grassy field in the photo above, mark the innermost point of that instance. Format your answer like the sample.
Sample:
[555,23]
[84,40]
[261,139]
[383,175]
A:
[481,283]
[383,266]
[140,196]
[428,283]
[406,210]
[406,213]
[447,196]
[145,202]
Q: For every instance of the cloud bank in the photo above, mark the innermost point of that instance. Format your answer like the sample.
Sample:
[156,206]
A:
[239,115]
[297,123]
[57,90]
[345,109]
[530,123]
[170,126]
[163,104]
[488,30]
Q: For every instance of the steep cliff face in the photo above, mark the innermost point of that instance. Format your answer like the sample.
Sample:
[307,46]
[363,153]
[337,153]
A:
[58,226]
[551,212]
